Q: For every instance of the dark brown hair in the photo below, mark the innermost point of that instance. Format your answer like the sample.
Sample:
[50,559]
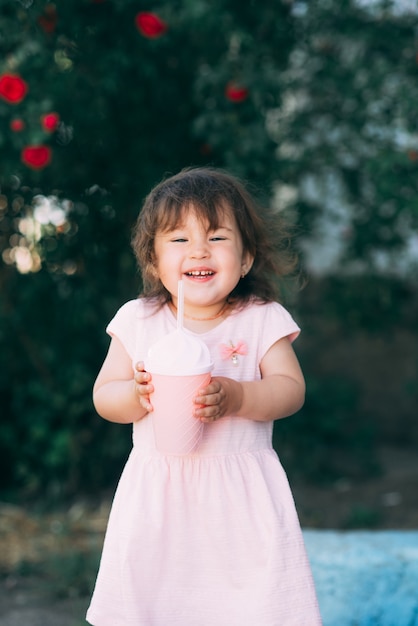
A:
[211,192]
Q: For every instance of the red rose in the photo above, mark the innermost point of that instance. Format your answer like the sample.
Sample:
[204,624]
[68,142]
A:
[150,25]
[48,21]
[50,122]
[17,125]
[12,88]
[235,92]
[36,157]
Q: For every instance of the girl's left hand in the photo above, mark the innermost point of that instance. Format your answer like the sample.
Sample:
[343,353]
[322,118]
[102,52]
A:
[221,397]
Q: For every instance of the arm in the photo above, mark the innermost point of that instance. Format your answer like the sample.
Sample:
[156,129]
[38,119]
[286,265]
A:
[114,392]
[279,393]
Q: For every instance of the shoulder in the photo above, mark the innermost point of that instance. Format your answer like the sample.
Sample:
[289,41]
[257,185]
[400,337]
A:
[139,307]
[260,308]
[127,324]
[128,313]
[270,317]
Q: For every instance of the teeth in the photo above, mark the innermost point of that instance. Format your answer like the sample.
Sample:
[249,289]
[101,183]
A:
[200,273]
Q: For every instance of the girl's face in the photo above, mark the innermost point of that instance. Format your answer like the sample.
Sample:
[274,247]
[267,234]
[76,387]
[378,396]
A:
[210,262]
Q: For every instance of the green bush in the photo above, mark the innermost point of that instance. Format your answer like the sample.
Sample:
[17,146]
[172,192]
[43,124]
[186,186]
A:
[279,93]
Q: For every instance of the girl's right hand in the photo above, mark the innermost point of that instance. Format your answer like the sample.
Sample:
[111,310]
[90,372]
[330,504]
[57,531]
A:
[143,388]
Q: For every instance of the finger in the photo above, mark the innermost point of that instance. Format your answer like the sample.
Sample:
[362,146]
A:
[144,389]
[146,404]
[213,387]
[143,398]
[212,399]
[209,413]
[142,377]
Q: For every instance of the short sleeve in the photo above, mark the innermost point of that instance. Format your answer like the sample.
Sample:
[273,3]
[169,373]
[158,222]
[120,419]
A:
[277,323]
[122,326]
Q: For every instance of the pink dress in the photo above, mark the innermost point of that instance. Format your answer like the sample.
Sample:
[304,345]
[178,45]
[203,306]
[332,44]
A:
[211,538]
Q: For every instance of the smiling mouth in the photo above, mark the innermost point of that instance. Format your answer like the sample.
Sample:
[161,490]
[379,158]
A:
[200,273]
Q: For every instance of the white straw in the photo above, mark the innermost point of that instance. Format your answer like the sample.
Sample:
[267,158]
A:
[180,305]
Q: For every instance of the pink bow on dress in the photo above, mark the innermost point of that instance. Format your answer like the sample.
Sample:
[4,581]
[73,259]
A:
[231,352]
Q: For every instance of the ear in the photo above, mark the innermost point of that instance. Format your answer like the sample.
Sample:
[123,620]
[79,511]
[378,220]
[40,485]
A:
[246,264]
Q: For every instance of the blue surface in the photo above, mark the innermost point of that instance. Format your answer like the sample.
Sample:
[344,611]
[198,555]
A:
[365,578]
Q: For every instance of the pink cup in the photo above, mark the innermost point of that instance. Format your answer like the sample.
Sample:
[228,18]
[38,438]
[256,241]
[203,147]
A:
[176,431]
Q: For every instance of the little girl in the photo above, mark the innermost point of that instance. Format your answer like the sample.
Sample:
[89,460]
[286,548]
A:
[210,538]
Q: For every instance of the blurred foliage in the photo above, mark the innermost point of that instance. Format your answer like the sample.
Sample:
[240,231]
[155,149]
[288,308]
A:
[326,90]
[63,573]
[327,439]
[358,353]
[362,517]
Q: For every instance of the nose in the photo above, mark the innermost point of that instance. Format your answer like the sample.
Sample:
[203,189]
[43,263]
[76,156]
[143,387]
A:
[199,248]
